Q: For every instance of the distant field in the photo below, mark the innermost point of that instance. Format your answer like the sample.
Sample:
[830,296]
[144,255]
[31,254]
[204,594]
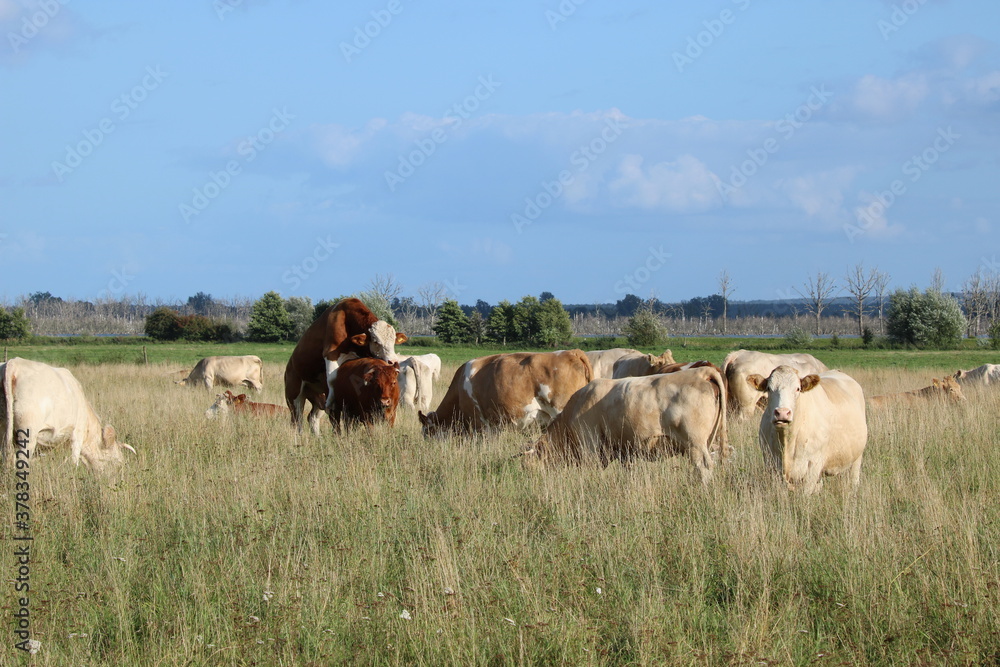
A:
[848,352]
[235,542]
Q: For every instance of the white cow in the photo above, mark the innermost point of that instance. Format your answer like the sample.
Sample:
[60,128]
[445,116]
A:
[47,408]
[227,371]
[741,364]
[813,425]
[983,376]
[430,360]
[639,364]
[416,380]
[603,361]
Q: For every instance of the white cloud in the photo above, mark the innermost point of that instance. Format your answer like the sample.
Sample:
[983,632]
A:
[871,218]
[683,185]
[338,146]
[889,99]
[821,194]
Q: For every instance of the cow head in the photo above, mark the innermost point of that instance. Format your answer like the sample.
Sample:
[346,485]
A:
[110,454]
[430,424]
[381,340]
[949,388]
[378,388]
[783,387]
[221,406]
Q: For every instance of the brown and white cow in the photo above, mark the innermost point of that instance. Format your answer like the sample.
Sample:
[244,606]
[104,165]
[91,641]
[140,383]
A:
[637,365]
[228,371]
[813,425]
[367,391]
[744,399]
[49,405]
[229,402]
[981,376]
[674,413]
[947,389]
[347,330]
[519,388]
[603,361]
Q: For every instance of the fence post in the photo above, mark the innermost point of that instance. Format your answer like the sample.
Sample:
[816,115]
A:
[145,359]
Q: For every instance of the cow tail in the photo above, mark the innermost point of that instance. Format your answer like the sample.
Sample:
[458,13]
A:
[7,446]
[418,383]
[720,432]
[588,372]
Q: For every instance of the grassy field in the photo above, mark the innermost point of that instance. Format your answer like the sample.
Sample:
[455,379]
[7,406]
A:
[236,542]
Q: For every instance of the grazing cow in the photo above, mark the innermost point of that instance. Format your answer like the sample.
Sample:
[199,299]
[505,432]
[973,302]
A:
[813,425]
[518,388]
[367,390]
[346,330]
[678,413]
[603,361]
[430,360]
[946,389]
[637,365]
[744,400]
[226,371]
[229,402]
[416,380]
[48,403]
[682,366]
[982,376]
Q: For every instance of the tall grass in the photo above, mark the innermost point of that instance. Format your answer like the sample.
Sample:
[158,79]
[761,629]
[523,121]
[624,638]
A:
[236,542]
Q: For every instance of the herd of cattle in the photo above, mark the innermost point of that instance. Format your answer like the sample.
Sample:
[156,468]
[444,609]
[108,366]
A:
[602,405]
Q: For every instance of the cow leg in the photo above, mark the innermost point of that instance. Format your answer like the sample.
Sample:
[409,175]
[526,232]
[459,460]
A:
[856,472]
[314,414]
[701,459]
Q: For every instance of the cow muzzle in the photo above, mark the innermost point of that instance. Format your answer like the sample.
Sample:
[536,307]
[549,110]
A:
[781,417]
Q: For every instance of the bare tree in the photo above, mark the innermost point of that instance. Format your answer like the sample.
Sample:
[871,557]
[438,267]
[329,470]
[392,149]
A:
[976,302]
[432,295]
[385,285]
[881,287]
[937,281]
[726,288]
[819,290]
[860,284]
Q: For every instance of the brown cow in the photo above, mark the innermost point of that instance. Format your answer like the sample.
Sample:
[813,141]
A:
[517,388]
[347,330]
[946,389]
[242,405]
[367,390]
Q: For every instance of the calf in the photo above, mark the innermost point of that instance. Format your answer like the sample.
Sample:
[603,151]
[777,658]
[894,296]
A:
[242,405]
[946,389]
[365,390]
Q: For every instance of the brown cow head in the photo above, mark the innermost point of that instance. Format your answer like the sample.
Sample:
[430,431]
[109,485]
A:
[378,389]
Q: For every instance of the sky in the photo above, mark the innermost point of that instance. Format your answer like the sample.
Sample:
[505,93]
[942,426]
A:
[590,149]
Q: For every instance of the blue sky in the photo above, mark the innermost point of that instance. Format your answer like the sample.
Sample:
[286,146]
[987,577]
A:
[500,148]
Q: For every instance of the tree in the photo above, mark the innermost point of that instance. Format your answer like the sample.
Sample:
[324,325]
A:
[818,293]
[860,285]
[545,296]
[477,328]
[431,297]
[163,324]
[726,288]
[300,312]
[200,303]
[379,305]
[928,320]
[39,298]
[627,306]
[269,321]
[385,285]
[14,325]
[881,288]
[483,308]
[452,325]
[554,326]
[644,329]
[500,323]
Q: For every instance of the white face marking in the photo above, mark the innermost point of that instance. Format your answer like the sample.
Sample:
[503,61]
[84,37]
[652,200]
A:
[783,388]
[382,341]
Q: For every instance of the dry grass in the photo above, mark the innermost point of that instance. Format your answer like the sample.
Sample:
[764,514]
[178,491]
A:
[235,542]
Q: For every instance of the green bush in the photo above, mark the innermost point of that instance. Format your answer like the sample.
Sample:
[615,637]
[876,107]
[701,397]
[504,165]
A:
[452,325]
[929,319]
[797,339]
[269,321]
[994,333]
[163,324]
[14,325]
[644,329]
[867,337]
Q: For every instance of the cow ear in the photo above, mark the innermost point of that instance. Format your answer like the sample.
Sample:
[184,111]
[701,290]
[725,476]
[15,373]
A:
[757,382]
[935,382]
[359,339]
[108,436]
[809,382]
[401,338]
[395,367]
[422,417]
[368,376]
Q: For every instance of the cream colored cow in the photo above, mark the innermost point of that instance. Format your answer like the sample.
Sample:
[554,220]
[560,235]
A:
[228,371]
[744,400]
[638,364]
[603,361]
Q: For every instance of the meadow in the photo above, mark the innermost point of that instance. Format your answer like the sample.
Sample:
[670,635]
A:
[237,542]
